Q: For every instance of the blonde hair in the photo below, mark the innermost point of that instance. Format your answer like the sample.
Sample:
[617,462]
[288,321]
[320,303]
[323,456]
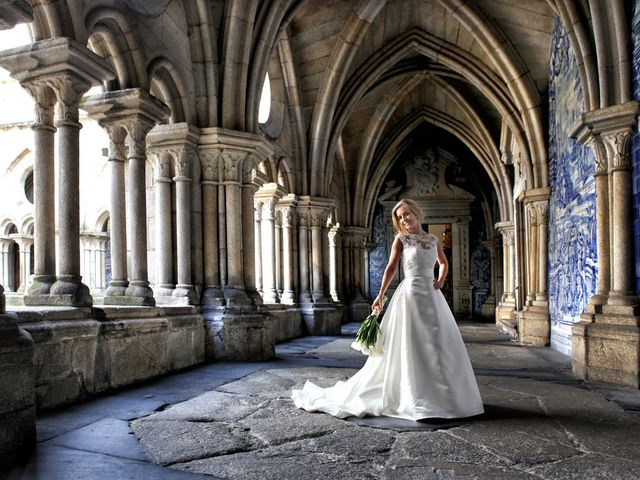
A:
[412,206]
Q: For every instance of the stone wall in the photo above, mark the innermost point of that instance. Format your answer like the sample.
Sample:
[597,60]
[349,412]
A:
[80,352]
[635,146]
[572,226]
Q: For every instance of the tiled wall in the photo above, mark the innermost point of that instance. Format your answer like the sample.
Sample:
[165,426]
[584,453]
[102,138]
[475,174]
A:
[635,147]
[572,224]
[379,254]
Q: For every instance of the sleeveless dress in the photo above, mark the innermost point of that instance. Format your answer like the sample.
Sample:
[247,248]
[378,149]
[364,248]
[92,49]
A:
[423,370]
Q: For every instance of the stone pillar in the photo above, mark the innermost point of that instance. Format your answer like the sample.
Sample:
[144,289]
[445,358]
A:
[24,250]
[17,393]
[334,258]
[132,112]
[318,217]
[68,288]
[44,248]
[303,252]
[238,329]
[534,325]
[165,284]
[117,155]
[210,162]
[355,239]
[6,264]
[504,312]
[258,244]
[267,197]
[184,290]
[460,269]
[286,207]
[606,340]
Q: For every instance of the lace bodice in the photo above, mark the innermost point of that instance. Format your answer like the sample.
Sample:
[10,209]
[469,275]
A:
[419,254]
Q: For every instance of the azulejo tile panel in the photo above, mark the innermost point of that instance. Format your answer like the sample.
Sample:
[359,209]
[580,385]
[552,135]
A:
[572,223]
[635,147]
[379,255]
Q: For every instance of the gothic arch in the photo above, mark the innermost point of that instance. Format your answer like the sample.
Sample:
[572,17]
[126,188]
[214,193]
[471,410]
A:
[112,38]
[166,84]
[599,34]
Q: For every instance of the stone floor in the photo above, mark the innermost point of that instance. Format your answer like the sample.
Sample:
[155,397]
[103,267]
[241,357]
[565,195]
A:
[235,421]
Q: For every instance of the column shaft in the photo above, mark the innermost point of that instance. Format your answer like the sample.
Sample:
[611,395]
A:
[184,288]
[164,240]
[268,231]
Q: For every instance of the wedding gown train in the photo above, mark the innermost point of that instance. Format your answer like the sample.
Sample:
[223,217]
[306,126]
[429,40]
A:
[423,370]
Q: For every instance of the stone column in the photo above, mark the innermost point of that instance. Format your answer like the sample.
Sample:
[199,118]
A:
[6,266]
[286,207]
[238,329]
[134,112]
[17,392]
[534,324]
[504,312]
[138,292]
[165,283]
[268,231]
[541,209]
[460,269]
[68,288]
[182,167]
[210,161]
[24,250]
[258,244]
[334,255]
[355,240]
[117,216]
[318,218]
[44,248]
[303,252]
[606,340]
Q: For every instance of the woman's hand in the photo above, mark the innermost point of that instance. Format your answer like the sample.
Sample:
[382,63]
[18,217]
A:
[376,307]
[437,283]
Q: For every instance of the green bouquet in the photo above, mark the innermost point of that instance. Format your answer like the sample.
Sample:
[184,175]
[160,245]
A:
[369,338]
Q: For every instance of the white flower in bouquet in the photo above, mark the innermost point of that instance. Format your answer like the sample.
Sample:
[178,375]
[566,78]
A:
[369,336]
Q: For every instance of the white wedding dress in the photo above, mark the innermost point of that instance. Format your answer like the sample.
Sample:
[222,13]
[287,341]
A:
[423,371]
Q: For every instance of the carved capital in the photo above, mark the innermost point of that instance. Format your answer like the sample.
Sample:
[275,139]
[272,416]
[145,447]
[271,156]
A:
[69,91]
[287,217]
[317,217]
[303,217]
[596,144]
[540,210]
[162,165]
[45,99]
[210,161]
[117,136]
[619,145]
[182,164]
[268,209]
[233,160]
[137,130]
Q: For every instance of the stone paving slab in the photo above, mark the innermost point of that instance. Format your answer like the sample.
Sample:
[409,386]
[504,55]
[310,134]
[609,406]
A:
[531,429]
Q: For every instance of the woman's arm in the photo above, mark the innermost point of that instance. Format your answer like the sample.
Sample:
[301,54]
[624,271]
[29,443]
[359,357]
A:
[389,272]
[443,270]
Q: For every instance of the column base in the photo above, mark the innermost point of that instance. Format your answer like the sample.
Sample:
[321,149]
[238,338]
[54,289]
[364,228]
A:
[505,320]
[237,297]
[117,288]
[534,326]
[320,319]
[184,295]
[212,296]
[288,297]
[238,335]
[41,284]
[270,296]
[67,291]
[17,393]
[139,294]
[606,346]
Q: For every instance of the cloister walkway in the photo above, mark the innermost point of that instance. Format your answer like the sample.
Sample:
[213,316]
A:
[235,421]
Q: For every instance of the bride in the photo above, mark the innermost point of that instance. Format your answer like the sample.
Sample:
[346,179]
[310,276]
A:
[423,370]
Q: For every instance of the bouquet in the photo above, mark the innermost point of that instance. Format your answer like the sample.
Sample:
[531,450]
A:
[369,338]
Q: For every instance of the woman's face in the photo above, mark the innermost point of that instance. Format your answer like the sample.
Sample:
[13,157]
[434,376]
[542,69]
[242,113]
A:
[407,219]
